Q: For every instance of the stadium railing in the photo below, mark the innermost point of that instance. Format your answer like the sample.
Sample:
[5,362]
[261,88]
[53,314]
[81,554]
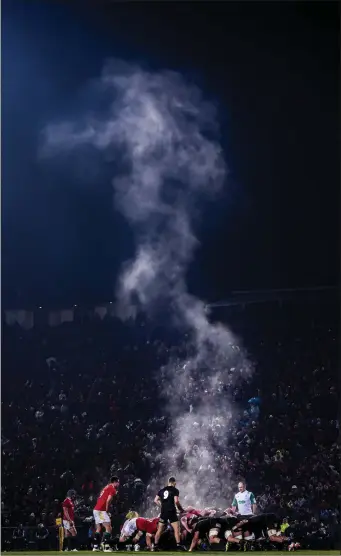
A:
[30,541]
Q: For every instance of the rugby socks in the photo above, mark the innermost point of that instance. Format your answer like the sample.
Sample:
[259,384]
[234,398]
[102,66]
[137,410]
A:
[107,540]
[97,540]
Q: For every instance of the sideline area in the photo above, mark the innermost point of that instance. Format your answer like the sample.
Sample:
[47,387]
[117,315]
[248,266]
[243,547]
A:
[279,553]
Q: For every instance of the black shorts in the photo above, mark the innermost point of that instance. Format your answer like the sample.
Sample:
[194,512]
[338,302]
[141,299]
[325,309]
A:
[168,517]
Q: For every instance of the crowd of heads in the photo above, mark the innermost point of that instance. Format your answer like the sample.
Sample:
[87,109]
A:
[85,400]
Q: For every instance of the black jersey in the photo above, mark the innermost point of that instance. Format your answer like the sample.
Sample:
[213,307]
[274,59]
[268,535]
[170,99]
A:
[228,522]
[203,526]
[269,520]
[259,523]
[167,495]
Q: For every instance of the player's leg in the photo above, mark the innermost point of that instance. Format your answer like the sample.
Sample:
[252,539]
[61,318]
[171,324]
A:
[195,541]
[160,530]
[97,538]
[231,539]
[97,535]
[67,536]
[176,529]
[107,535]
[73,538]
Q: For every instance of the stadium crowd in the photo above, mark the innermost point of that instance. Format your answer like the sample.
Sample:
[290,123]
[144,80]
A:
[80,402]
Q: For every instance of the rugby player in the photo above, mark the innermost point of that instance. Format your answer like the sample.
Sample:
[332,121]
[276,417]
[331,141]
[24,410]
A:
[129,526]
[168,500]
[139,525]
[102,517]
[187,522]
[258,526]
[213,527]
[70,531]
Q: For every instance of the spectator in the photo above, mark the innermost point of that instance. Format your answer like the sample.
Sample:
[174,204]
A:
[71,416]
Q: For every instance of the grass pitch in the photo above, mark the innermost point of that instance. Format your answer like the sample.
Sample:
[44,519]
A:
[215,553]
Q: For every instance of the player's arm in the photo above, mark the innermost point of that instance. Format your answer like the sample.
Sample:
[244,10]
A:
[157,500]
[253,503]
[235,504]
[67,515]
[108,502]
[183,522]
[137,537]
[177,503]
[149,540]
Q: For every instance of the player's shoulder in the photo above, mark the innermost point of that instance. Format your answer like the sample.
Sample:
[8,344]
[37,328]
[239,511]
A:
[111,489]
[175,491]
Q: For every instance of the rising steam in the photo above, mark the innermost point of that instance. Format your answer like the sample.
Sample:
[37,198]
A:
[162,133]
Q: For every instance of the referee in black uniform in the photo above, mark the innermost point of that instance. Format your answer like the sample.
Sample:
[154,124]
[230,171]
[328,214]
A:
[168,500]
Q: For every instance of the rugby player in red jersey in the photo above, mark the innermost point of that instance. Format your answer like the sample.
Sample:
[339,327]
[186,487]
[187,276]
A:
[139,525]
[102,517]
[70,531]
[188,520]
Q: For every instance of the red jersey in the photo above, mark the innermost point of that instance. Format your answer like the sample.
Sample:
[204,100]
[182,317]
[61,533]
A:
[193,512]
[69,506]
[147,525]
[101,503]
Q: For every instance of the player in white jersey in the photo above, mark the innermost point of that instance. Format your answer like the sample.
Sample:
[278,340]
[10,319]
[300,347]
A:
[244,501]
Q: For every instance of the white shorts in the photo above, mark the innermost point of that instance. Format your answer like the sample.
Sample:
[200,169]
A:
[272,532]
[101,517]
[228,534]
[213,532]
[67,525]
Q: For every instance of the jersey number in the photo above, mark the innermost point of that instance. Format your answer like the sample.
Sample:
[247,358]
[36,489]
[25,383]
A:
[165,494]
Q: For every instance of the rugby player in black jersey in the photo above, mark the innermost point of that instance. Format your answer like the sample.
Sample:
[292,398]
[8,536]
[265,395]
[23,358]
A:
[168,500]
[263,525]
[214,527]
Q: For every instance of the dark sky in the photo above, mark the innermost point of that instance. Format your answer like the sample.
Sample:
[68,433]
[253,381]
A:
[273,69]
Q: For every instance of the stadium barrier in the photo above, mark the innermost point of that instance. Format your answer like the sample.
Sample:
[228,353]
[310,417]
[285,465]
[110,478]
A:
[10,541]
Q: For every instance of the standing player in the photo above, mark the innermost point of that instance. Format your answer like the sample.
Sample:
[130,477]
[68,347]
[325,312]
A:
[70,531]
[102,517]
[244,501]
[168,500]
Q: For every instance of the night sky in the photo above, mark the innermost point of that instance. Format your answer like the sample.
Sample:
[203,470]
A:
[272,68]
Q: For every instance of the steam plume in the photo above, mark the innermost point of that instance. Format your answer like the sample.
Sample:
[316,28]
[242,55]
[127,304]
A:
[162,131]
